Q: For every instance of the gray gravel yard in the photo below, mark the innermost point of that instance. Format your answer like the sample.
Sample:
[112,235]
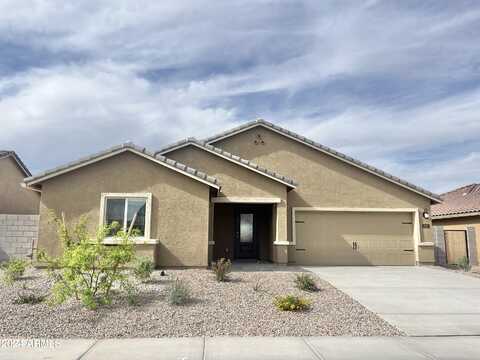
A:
[230,308]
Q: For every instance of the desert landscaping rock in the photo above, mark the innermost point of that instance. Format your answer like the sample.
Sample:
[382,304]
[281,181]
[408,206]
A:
[232,308]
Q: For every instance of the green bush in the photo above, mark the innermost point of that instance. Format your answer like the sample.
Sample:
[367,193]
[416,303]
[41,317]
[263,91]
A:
[221,268]
[87,270]
[464,264]
[143,269]
[291,303]
[178,293]
[14,270]
[305,282]
[28,298]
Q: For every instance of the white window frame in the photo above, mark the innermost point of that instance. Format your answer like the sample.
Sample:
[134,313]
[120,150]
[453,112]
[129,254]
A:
[148,212]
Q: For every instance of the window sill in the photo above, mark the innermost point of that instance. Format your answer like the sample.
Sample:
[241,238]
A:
[282,243]
[136,241]
[426,244]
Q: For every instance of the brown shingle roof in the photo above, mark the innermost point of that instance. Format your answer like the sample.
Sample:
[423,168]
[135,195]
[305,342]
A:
[461,201]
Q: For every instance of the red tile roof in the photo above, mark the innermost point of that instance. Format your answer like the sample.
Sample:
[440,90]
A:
[464,200]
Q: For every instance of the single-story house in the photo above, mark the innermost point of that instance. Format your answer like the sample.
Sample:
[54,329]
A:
[258,191]
[456,224]
[14,199]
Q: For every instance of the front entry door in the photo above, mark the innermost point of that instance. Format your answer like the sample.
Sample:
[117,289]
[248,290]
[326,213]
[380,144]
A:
[245,239]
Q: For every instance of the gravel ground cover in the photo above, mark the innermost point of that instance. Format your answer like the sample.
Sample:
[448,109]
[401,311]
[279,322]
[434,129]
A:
[231,308]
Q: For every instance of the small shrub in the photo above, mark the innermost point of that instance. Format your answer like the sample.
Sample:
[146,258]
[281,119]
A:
[291,303]
[87,269]
[464,264]
[178,293]
[131,292]
[14,270]
[305,282]
[143,269]
[29,298]
[222,268]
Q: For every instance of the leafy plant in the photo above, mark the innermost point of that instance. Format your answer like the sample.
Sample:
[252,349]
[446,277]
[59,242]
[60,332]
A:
[14,270]
[132,293]
[87,270]
[222,268]
[464,264]
[291,303]
[28,298]
[305,282]
[143,269]
[178,293]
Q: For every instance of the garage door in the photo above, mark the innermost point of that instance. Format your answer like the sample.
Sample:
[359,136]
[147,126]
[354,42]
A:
[354,238]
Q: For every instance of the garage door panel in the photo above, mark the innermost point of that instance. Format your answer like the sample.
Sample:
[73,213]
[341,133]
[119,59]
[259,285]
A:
[354,238]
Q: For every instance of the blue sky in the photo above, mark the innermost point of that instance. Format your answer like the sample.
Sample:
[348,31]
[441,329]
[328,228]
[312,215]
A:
[393,83]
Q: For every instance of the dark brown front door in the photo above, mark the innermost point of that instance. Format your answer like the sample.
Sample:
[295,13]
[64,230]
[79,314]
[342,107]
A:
[245,239]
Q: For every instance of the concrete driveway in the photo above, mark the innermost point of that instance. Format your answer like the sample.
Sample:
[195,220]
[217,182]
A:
[421,301]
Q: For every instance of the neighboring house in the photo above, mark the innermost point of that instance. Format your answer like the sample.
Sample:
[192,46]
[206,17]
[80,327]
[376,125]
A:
[457,225]
[14,199]
[19,208]
[255,192]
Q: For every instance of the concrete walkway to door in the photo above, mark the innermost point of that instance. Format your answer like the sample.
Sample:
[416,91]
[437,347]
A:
[421,301]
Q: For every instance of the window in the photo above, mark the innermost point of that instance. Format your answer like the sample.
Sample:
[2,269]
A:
[130,211]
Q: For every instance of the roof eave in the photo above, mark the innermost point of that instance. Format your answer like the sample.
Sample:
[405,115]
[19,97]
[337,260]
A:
[260,122]
[34,180]
[456,215]
[197,144]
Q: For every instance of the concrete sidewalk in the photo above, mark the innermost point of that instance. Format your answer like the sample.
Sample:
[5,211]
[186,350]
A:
[298,348]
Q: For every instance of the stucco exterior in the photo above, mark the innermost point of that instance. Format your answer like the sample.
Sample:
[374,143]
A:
[323,180]
[194,206]
[15,199]
[238,181]
[180,205]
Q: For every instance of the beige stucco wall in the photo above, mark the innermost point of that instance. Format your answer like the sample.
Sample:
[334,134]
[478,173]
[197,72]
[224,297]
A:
[237,181]
[180,205]
[13,198]
[323,180]
[462,223]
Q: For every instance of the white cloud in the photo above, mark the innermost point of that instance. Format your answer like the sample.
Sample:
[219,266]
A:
[101,96]
[67,111]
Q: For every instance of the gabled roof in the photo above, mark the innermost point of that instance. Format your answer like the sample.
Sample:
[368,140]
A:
[230,157]
[464,201]
[326,150]
[141,151]
[21,165]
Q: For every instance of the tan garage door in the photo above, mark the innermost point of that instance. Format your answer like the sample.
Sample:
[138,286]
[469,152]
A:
[354,238]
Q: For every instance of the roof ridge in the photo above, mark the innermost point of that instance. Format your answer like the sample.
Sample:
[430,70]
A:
[127,145]
[235,158]
[459,188]
[328,150]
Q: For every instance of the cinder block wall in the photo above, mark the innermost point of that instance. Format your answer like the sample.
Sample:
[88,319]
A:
[18,233]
